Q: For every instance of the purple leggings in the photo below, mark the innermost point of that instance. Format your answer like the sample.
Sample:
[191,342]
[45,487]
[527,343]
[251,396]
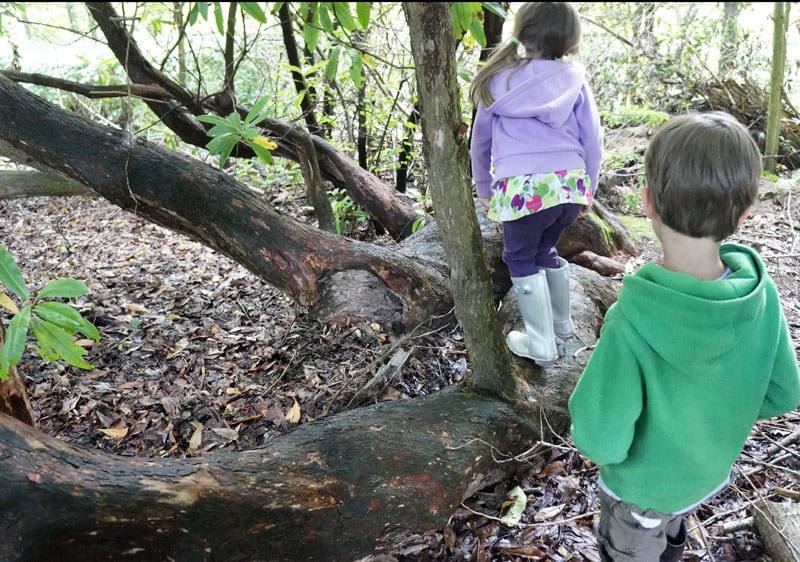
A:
[530,241]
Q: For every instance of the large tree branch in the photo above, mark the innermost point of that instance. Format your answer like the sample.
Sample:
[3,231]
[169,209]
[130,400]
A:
[188,196]
[176,116]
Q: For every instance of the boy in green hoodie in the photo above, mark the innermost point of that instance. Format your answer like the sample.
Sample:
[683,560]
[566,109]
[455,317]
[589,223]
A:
[693,352]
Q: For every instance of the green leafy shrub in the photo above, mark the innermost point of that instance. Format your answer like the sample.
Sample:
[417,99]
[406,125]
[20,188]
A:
[344,210]
[631,116]
[54,323]
[228,131]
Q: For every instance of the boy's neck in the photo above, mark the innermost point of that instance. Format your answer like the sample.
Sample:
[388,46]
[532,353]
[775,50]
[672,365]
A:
[698,257]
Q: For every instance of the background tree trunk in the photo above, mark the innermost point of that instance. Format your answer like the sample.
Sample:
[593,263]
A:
[774,106]
[293,56]
[730,37]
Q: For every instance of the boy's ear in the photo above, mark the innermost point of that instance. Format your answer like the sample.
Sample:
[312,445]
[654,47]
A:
[745,215]
[649,211]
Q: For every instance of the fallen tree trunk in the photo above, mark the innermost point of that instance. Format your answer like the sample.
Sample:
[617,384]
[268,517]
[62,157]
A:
[327,491]
[31,183]
[779,525]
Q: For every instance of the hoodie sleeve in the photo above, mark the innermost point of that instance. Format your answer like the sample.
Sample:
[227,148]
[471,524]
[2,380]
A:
[591,133]
[481,151]
[608,399]
[783,392]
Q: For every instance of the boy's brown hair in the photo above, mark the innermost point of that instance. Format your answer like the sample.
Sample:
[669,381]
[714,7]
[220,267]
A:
[703,171]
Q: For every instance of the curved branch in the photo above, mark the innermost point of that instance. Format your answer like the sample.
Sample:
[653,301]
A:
[143,91]
[190,197]
[175,116]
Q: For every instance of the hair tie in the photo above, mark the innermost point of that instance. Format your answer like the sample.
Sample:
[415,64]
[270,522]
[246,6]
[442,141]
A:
[515,40]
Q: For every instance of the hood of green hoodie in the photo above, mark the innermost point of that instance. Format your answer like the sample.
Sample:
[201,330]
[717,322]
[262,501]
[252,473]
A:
[674,311]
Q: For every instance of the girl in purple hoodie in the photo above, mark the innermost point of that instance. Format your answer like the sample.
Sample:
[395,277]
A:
[536,149]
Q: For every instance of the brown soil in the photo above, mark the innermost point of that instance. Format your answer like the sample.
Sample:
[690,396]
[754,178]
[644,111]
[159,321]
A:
[198,355]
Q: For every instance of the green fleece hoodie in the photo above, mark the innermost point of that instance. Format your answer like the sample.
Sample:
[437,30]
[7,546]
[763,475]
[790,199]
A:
[681,372]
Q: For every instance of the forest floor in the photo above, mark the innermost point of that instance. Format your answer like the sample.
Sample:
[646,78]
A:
[198,355]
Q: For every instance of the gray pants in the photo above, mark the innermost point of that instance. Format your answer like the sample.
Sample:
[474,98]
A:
[626,533]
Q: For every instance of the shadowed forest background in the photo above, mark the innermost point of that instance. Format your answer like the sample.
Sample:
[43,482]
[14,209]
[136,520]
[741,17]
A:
[272,250]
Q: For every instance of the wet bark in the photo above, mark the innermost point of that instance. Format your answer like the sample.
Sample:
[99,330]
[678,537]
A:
[330,490]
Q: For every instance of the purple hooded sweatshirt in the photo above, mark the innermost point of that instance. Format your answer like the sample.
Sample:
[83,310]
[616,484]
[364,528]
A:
[544,119]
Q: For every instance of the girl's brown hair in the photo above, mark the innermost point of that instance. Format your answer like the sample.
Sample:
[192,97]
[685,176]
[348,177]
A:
[546,30]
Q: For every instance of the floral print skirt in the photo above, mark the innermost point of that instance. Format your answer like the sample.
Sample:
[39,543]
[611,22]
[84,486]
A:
[519,196]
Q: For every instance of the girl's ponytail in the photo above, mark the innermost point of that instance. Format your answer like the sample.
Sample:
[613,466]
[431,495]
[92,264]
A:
[503,57]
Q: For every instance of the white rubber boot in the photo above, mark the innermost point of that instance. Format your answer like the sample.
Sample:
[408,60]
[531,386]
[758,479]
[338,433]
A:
[538,341]
[558,284]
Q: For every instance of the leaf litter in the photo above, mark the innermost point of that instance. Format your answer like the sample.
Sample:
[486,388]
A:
[197,354]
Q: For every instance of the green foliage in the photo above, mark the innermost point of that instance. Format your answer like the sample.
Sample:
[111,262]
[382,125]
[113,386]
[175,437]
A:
[423,203]
[630,116]
[344,210]
[333,17]
[632,202]
[9,9]
[468,20]
[200,10]
[625,159]
[54,324]
[228,131]
[418,224]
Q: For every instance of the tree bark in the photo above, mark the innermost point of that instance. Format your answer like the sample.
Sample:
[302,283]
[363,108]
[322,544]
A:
[780,18]
[447,158]
[330,490]
[779,524]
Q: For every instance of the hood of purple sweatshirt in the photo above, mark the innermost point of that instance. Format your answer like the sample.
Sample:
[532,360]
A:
[543,119]
[546,90]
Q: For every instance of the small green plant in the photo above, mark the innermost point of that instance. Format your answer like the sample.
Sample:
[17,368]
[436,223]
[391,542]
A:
[54,324]
[630,116]
[419,223]
[632,202]
[624,159]
[228,131]
[344,210]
